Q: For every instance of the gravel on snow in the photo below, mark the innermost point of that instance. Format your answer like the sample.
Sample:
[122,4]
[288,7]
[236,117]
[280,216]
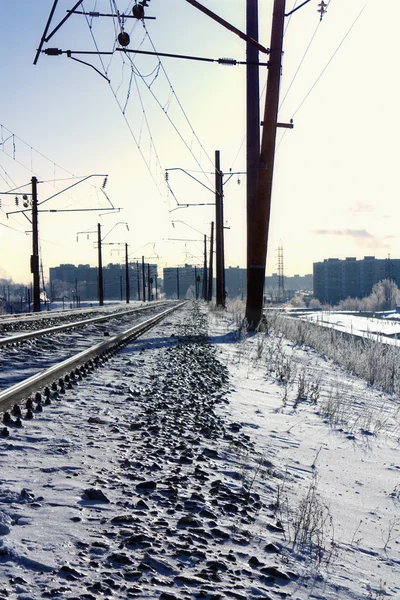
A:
[132,485]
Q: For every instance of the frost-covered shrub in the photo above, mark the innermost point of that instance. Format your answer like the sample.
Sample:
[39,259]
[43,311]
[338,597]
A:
[385,295]
[376,363]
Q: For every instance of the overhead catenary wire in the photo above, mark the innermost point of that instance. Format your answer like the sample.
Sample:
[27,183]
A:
[330,60]
[300,65]
[16,138]
[175,127]
[293,79]
[180,104]
[114,93]
[304,55]
[324,69]
[123,109]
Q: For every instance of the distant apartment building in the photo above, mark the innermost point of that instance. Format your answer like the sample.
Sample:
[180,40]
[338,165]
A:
[183,282]
[71,281]
[236,279]
[336,279]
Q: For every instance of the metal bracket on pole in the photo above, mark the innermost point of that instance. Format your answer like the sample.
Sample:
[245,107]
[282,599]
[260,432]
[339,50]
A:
[286,125]
[227,25]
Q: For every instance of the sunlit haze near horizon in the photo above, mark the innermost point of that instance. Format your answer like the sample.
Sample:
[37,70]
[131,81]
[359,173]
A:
[132,117]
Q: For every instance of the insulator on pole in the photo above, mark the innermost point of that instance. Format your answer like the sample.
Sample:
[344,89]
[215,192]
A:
[227,61]
[53,51]
[123,39]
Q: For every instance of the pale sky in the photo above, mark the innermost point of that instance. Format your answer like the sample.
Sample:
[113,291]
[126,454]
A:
[335,183]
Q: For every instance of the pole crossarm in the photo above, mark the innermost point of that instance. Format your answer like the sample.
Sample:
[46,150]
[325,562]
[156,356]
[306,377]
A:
[122,16]
[45,38]
[220,61]
[227,25]
[190,205]
[71,186]
[187,225]
[297,8]
[192,176]
[56,210]
[12,192]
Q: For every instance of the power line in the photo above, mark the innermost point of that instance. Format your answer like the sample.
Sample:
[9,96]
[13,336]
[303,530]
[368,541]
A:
[324,69]
[123,113]
[173,92]
[300,64]
[123,108]
[14,138]
[329,61]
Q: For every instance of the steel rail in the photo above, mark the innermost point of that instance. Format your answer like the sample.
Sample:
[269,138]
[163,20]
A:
[25,388]
[60,314]
[21,337]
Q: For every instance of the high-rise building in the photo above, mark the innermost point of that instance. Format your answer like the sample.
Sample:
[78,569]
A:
[70,281]
[181,282]
[336,279]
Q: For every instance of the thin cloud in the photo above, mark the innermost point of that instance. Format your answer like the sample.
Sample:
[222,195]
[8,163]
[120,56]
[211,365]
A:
[361,208]
[354,233]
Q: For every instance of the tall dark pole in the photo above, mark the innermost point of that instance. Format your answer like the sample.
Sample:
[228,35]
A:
[259,213]
[205,280]
[148,283]
[143,281]
[100,268]
[35,248]
[126,274]
[210,267]
[196,291]
[156,276]
[252,114]
[219,234]
[138,279]
[177,282]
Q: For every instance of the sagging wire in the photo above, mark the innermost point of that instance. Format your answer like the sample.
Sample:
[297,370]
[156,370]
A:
[300,64]
[325,7]
[15,139]
[114,93]
[173,124]
[330,60]
[179,103]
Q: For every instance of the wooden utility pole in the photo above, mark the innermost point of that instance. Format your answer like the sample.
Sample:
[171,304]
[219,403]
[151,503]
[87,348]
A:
[35,248]
[196,284]
[252,115]
[100,267]
[143,281]
[126,274]
[210,268]
[219,234]
[205,286]
[259,211]
[138,279]
[149,282]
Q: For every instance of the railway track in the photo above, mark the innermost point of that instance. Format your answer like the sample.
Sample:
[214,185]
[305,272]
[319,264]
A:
[37,332]
[37,321]
[40,388]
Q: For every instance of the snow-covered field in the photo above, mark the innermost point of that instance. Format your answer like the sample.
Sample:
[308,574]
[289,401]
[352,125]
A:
[358,325]
[248,467]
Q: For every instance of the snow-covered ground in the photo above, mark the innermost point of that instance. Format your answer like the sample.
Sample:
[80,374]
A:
[244,468]
[357,325]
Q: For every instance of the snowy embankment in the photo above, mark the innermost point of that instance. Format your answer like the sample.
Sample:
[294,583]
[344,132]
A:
[238,466]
